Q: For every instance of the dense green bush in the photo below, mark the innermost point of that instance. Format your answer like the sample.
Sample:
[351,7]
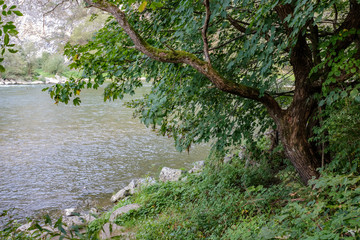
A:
[339,132]
[55,64]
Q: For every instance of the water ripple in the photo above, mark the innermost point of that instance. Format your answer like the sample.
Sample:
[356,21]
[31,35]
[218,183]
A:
[60,156]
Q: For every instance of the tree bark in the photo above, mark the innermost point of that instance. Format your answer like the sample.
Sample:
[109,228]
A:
[294,137]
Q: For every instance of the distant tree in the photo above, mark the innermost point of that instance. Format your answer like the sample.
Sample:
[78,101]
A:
[219,67]
[55,64]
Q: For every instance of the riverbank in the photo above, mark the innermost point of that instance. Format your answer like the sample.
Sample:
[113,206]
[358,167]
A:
[46,80]
[231,201]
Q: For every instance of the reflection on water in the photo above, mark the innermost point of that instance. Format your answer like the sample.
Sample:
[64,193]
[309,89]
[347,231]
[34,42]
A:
[55,156]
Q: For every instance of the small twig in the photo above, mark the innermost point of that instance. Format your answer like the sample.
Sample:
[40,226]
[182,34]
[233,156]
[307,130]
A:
[222,45]
[289,93]
[204,30]
[336,16]
[298,199]
[169,47]
[322,144]
[54,8]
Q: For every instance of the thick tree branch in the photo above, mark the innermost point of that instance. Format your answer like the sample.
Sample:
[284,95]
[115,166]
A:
[300,57]
[314,38]
[351,21]
[177,56]
[204,31]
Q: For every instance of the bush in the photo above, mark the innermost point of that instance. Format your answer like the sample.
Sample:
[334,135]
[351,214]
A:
[340,134]
[55,64]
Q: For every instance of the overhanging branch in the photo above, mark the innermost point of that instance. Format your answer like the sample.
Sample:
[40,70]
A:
[176,56]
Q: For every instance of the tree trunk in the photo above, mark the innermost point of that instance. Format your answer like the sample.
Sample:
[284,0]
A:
[294,137]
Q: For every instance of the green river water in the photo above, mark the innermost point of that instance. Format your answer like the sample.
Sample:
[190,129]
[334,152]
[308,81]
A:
[61,156]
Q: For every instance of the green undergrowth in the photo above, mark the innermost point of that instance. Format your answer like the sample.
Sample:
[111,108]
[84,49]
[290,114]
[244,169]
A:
[223,204]
[235,201]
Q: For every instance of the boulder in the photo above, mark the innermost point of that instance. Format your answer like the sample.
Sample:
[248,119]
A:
[120,195]
[80,220]
[111,230]
[198,167]
[133,186]
[170,174]
[24,227]
[123,210]
[74,221]
[51,80]
[70,212]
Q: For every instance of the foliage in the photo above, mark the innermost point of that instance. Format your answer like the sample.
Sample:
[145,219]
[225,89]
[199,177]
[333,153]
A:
[339,134]
[217,205]
[55,64]
[230,201]
[7,29]
[264,64]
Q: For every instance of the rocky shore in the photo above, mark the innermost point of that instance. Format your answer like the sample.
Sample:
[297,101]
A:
[76,220]
[47,80]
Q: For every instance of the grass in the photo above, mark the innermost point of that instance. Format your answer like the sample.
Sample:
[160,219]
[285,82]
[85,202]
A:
[231,201]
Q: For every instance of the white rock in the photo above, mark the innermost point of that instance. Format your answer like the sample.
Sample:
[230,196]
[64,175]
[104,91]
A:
[24,227]
[70,212]
[170,174]
[51,80]
[116,230]
[74,221]
[120,195]
[132,188]
[197,167]
[122,210]
[94,211]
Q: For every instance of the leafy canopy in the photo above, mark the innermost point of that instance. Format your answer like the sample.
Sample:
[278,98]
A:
[249,45]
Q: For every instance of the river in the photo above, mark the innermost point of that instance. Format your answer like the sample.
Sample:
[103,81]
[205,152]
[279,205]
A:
[61,156]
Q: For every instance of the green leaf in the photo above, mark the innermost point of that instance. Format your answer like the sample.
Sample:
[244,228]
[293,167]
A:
[18,13]
[6,39]
[142,6]
[2,69]
[13,51]
[155,5]
[354,93]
